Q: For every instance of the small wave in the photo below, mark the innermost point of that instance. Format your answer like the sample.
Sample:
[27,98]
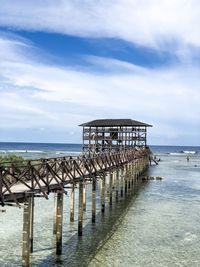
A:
[67,152]
[21,151]
[189,152]
[61,152]
[175,153]
[182,152]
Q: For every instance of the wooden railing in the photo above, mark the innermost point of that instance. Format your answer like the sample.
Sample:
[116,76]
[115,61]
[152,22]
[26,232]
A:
[20,179]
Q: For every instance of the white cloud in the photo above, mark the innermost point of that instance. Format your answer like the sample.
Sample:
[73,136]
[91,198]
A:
[37,95]
[151,23]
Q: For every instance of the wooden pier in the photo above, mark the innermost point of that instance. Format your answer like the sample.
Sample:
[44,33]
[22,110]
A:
[122,164]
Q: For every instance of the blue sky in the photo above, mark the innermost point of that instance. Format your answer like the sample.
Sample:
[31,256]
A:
[66,62]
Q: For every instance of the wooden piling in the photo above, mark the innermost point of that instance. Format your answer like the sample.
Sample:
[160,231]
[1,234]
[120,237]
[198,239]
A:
[31,222]
[103,194]
[84,196]
[72,198]
[132,173]
[80,209]
[110,188]
[129,177]
[59,222]
[125,180]
[121,183]
[54,213]
[93,199]
[26,234]
[117,186]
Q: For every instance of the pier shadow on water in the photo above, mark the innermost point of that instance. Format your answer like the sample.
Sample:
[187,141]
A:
[79,251]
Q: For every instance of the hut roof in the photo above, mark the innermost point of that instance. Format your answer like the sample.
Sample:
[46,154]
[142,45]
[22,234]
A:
[114,122]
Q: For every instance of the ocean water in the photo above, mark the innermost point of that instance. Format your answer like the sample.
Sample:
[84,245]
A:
[39,150]
[158,224]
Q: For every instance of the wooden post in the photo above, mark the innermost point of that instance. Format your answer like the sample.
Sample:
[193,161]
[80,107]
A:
[121,184]
[103,194]
[26,234]
[110,188]
[72,198]
[136,169]
[84,196]
[55,213]
[132,173]
[80,209]
[59,222]
[129,177]
[125,178]
[117,186]
[93,199]
[31,222]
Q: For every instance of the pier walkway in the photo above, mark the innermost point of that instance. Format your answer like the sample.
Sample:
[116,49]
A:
[21,182]
[113,151]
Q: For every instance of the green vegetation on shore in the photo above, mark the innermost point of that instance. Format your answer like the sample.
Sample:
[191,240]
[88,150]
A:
[11,158]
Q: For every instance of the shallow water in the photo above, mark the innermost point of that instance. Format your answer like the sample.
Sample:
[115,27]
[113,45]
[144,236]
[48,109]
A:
[158,225]
[162,225]
[76,251]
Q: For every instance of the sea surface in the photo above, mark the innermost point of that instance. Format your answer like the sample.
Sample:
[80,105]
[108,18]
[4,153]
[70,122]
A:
[157,225]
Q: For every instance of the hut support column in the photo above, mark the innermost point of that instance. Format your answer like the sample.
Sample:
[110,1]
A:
[26,234]
[103,194]
[80,209]
[72,197]
[93,199]
[59,222]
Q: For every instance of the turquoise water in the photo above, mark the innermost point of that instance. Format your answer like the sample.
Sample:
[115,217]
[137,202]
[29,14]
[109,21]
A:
[158,224]
[162,225]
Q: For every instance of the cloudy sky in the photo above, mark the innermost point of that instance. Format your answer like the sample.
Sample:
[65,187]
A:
[66,62]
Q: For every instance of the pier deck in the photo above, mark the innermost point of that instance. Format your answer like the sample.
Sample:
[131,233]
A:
[19,180]
[113,149]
